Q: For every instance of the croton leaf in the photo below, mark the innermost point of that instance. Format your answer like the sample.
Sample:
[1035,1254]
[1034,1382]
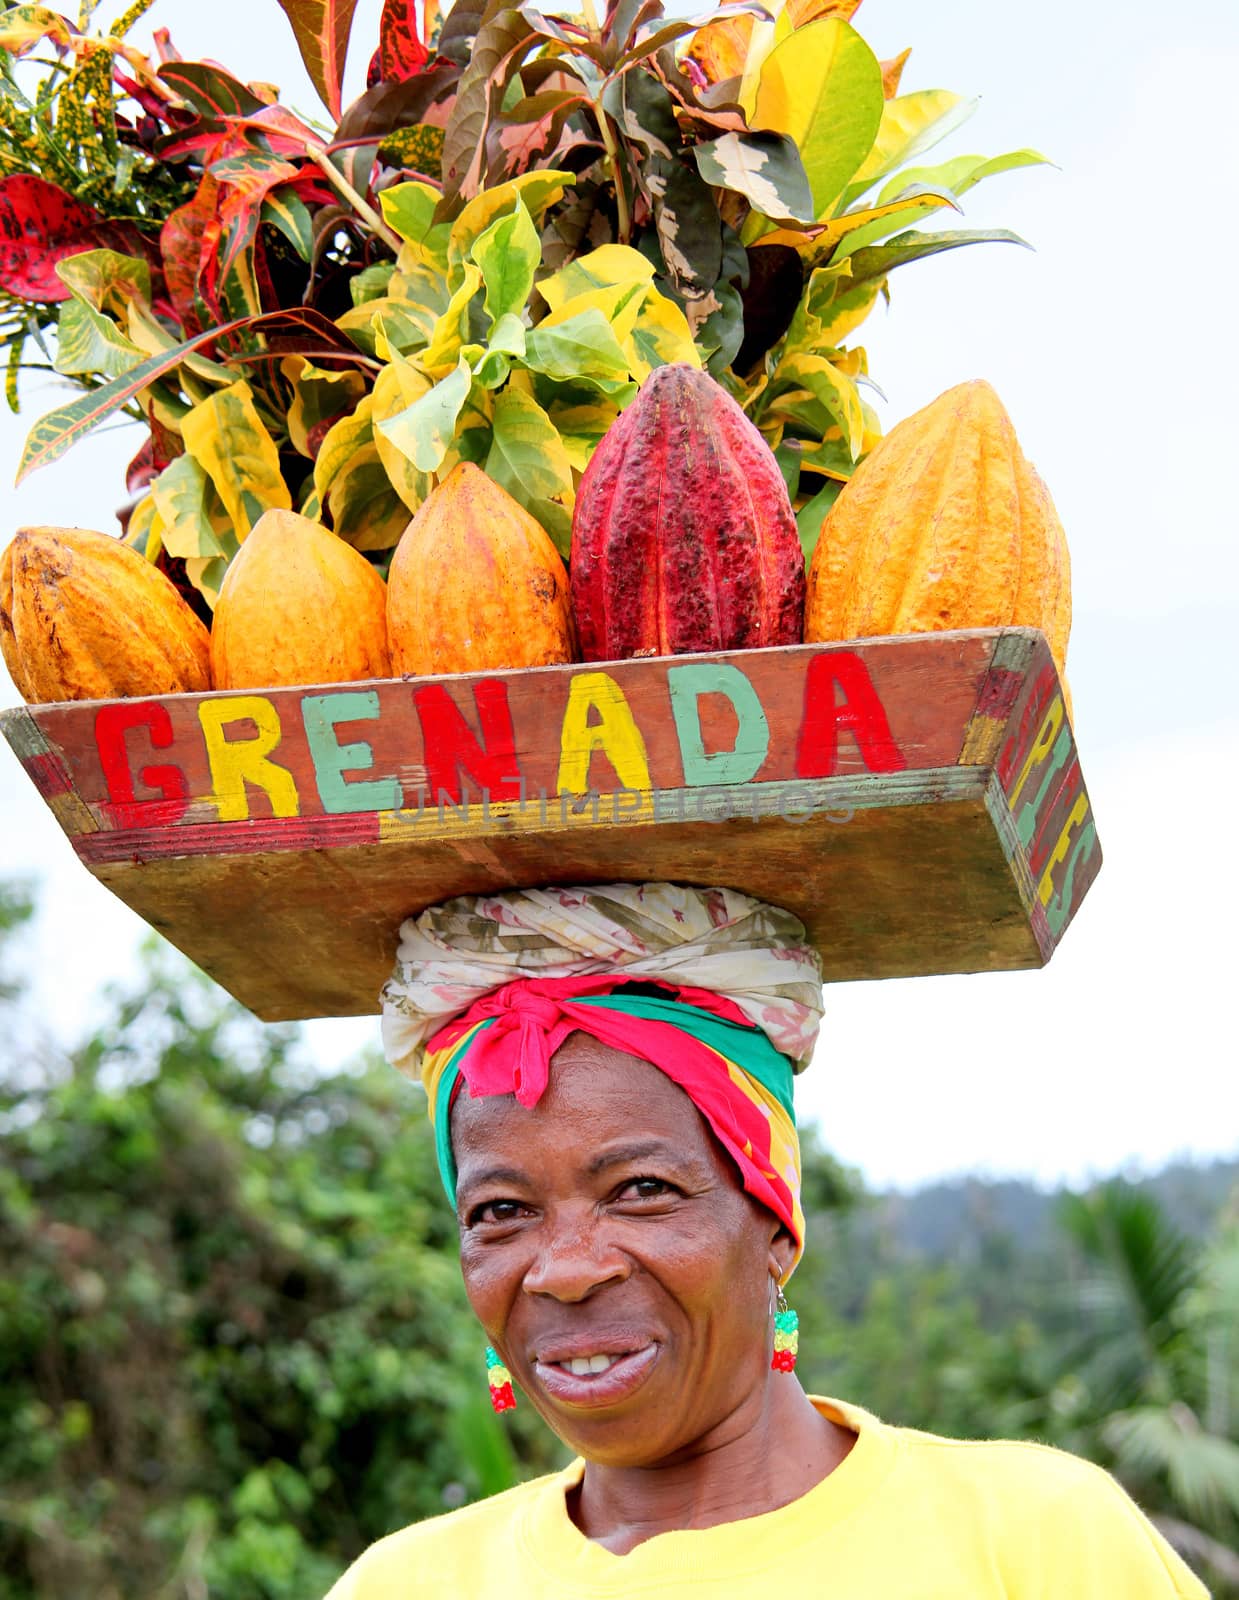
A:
[423,432]
[61,429]
[105,279]
[876,261]
[418,148]
[958,175]
[501,45]
[909,124]
[321,29]
[688,225]
[228,439]
[822,86]
[509,254]
[528,459]
[182,247]
[764,167]
[402,51]
[89,341]
[40,225]
[583,347]
[209,89]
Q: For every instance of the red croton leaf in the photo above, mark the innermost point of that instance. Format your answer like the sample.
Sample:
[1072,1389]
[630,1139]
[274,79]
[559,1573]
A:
[181,244]
[402,53]
[40,224]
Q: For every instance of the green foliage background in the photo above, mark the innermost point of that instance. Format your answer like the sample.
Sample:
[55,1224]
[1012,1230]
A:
[234,1347]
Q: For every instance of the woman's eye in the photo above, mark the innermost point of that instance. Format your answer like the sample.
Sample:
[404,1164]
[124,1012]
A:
[494,1211]
[647,1189]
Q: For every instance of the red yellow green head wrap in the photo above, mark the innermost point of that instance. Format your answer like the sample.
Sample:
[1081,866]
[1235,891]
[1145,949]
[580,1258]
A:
[719,991]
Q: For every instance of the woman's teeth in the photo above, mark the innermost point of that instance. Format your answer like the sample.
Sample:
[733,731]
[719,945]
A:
[583,1366]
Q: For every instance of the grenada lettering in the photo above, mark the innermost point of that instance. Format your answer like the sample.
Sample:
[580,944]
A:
[1048,803]
[258,766]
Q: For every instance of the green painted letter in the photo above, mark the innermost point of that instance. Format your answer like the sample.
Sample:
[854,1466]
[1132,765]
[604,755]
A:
[320,713]
[687,684]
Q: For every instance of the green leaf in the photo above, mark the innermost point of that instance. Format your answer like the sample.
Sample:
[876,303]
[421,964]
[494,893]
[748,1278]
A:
[910,123]
[508,253]
[876,261]
[582,347]
[527,456]
[320,398]
[321,28]
[822,87]
[287,212]
[423,432]
[371,283]
[227,437]
[537,191]
[959,174]
[765,168]
[508,335]
[451,331]
[87,341]
[811,515]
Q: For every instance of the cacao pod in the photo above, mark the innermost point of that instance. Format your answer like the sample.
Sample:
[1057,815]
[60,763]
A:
[84,617]
[945,524]
[683,537]
[298,605]
[476,584]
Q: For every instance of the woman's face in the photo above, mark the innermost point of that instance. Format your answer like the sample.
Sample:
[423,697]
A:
[612,1257]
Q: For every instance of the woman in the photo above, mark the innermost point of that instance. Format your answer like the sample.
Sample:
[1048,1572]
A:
[610,1072]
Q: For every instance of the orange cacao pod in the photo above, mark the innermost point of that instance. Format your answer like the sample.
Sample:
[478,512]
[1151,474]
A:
[84,617]
[476,584]
[683,537]
[298,605]
[945,524]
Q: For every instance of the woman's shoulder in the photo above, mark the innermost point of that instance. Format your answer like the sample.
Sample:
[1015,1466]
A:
[1041,1506]
[455,1541]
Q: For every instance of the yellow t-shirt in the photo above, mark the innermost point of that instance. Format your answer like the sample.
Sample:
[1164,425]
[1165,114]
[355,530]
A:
[907,1516]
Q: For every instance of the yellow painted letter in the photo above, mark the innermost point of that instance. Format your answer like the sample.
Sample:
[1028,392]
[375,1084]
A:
[236,762]
[614,733]
[1041,745]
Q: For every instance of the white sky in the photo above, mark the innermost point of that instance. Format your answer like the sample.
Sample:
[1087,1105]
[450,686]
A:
[1113,347]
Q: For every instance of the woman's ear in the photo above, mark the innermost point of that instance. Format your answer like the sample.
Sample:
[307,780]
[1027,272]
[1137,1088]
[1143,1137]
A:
[782,1254]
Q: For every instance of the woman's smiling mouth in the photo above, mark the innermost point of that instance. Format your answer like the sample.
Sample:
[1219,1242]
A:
[597,1378]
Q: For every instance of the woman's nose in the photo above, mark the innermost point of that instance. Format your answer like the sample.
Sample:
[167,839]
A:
[574,1261]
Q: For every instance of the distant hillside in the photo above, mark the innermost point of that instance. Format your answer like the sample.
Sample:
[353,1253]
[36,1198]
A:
[958,1220]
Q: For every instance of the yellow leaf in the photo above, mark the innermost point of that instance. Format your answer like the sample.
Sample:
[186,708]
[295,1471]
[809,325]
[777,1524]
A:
[395,390]
[661,335]
[340,443]
[451,330]
[905,129]
[610,264]
[227,438]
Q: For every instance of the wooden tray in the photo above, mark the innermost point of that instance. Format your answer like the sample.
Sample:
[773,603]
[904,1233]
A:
[917,801]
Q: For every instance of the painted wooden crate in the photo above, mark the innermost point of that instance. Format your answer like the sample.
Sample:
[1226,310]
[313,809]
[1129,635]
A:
[917,801]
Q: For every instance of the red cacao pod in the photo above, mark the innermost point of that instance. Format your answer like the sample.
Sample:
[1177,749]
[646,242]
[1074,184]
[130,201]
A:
[683,537]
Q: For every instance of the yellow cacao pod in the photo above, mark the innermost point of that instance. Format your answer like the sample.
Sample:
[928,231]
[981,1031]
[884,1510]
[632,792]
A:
[476,584]
[944,525]
[298,605]
[84,617]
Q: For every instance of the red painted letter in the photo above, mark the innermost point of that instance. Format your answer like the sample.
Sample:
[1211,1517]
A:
[112,723]
[860,713]
[451,744]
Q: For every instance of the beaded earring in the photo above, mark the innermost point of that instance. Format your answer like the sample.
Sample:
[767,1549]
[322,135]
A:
[786,1337]
[500,1379]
